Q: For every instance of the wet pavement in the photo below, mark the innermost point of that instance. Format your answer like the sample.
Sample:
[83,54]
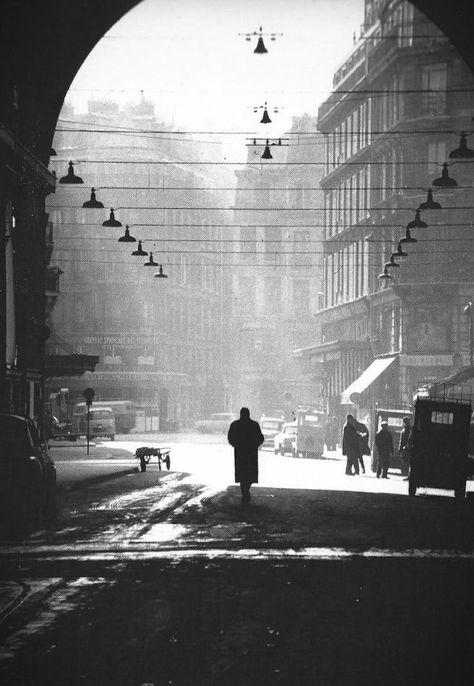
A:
[163,577]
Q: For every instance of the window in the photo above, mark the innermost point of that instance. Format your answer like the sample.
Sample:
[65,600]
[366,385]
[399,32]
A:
[436,157]
[434,83]
[442,417]
[272,295]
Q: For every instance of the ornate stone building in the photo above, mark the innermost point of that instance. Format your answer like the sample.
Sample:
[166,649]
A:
[400,100]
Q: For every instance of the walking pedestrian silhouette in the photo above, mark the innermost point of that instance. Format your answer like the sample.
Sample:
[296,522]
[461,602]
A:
[245,437]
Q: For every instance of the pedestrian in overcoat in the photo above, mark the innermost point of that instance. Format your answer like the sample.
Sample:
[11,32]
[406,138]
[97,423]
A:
[363,432]
[351,445]
[404,445]
[245,437]
[384,443]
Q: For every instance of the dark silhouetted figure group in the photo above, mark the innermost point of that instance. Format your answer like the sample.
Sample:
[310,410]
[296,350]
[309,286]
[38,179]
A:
[355,444]
[245,437]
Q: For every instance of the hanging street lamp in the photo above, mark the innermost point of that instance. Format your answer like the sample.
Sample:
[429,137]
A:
[463,152]
[139,252]
[417,223]
[111,221]
[93,202]
[160,274]
[445,181]
[127,238]
[70,176]
[430,204]
[151,262]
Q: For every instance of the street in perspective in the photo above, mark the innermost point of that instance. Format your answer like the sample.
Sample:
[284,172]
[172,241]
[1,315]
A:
[236,343]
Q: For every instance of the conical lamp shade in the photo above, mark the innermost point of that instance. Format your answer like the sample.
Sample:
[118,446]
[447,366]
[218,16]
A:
[267,155]
[445,181]
[408,237]
[151,262]
[265,119]
[93,202]
[70,176]
[463,152]
[260,49]
[160,274]
[127,238]
[139,251]
[430,204]
[417,223]
[111,221]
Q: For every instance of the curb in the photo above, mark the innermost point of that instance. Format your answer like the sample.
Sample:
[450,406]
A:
[91,480]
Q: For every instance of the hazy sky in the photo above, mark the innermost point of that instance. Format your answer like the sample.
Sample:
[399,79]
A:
[188,58]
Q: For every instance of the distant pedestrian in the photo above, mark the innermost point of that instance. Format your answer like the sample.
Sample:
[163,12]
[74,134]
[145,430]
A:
[384,443]
[245,437]
[404,445]
[332,433]
[351,445]
[363,432]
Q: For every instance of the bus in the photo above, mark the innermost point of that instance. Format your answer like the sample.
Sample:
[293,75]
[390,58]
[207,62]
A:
[124,413]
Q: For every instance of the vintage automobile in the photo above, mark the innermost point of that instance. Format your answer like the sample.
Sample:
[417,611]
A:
[310,432]
[284,441]
[101,423]
[218,422]
[27,475]
[439,445]
[270,426]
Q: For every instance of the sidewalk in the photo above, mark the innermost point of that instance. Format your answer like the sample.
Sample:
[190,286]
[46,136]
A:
[75,468]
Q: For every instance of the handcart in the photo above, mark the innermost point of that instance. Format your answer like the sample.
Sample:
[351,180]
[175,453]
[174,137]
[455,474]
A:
[145,454]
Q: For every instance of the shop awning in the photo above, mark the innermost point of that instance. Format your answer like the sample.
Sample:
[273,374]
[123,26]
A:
[368,376]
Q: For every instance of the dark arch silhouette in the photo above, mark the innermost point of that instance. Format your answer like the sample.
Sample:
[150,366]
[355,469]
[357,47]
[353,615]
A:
[43,45]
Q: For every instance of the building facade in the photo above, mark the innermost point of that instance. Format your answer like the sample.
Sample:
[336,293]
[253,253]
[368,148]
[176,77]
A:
[399,103]
[277,277]
[159,340]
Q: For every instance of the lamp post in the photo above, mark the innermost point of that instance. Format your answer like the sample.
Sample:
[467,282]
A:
[468,309]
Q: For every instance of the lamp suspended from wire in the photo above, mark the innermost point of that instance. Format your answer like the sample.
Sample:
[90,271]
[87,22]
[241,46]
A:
[267,155]
[417,223]
[139,252]
[265,117]
[463,152]
[160,274]
[127,238]
[430,204]
[408,238]
[93,202]
[392,262]
[445,181]
[399,252]
[260,48]
[151,262]
[70,176]
[111,221]
[384,274]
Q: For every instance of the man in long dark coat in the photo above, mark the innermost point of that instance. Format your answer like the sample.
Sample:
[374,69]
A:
[351,446]
[245,436]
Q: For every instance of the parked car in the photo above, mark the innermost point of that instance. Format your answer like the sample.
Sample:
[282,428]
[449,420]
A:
[101,423]
[270,426]
[27,475]
[218,422]
[285,440]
